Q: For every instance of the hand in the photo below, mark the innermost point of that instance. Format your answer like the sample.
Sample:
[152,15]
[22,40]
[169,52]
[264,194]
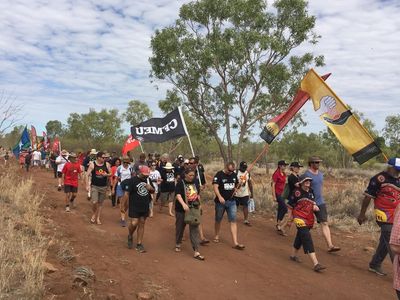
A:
[361,219]
[149,187]
[221,200]
[315,208]
[185,207]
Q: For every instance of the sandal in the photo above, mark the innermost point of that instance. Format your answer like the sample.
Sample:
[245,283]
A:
[216,240]
[199,257]
[93,221]
[239,247]
[178,249]
[204,242]
[334,249]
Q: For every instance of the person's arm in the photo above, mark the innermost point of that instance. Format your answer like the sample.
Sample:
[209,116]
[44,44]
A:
[395,235]
[250,182]
[149,186]
[273,190]
[218,194]
[364,206]
[88,174]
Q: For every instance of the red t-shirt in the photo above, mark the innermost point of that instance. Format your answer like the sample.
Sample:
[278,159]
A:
[280,180]
[71,171]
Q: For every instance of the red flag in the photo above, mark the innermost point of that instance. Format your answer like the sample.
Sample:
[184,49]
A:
[56,145]
[34,136]
[46,142]
[130,144]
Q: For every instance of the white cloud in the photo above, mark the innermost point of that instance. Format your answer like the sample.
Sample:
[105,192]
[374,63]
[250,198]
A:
[66,56]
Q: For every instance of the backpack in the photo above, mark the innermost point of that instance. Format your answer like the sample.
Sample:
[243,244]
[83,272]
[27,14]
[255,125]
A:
[193,216]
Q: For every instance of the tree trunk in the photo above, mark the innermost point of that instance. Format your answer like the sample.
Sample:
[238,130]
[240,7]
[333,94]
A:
[221,147]
[228,133]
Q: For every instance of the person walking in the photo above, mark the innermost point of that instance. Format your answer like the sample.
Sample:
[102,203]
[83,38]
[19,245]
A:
[314,163]
[71,171]
[123,173]
[244,191]
[61,160]
[395,248]
[278,185]
[303,207]
[384,188]
[155,178]
[96,182]
[224,185]
[114,180]
[138,189]
[186,198]
[167,187]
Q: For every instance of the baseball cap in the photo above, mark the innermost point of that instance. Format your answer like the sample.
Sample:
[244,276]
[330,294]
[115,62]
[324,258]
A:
[395,163]
[314,159]
[144,170]
[243,164]
[295,164]
[282,163]
[304,177]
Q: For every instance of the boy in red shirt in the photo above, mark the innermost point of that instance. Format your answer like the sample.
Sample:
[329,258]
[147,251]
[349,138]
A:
[71,172]
[278,185]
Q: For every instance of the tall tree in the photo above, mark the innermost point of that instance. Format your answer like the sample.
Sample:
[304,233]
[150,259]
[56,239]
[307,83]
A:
[230,62]
[392,133]
[95,129]
[54,128]
[137,112]
[10,112]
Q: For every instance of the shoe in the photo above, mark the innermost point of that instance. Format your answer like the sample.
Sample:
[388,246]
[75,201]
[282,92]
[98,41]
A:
[377,270]
[204,242]
[295,259]
[59,188]
[140,248]
[247,223]
[319,268]
[130,241]
[67,209]
[334,249]
[123,223]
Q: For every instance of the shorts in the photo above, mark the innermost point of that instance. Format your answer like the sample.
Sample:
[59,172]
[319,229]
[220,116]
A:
[244,201]
[36,162]
[133,214]
[70,189]
[229,207]
[118,191]
[303,238]
[98,194]
[322,214]
[167,197]
[59,174]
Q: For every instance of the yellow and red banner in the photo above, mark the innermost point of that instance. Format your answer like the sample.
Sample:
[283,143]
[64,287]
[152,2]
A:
[340,120]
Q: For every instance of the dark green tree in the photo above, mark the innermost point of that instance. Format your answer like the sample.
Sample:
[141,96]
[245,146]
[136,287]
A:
[231,62]
[54,128]
[392,133]
[137,112]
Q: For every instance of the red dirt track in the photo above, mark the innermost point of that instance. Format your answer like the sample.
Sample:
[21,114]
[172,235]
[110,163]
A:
[261,271]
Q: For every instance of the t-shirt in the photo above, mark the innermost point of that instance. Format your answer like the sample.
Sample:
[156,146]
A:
[316,185]
[61,161]
[302,203]
[71,171]
[385,189]
[28,158]
[37,155]
[155,176]
[280,180]
[292,180]
[243,180]
[188,192]
[139,196]
[168,183]
[123,173]
[226,184]
[98,175]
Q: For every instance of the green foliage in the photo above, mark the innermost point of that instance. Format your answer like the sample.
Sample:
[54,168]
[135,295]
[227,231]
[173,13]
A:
[392,134]
[54,128]
[230,62]
[137,112]
[9,140]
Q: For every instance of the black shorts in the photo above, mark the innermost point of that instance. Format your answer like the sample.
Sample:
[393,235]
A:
[322,214]
[303,238]
[59,174]
[244,201]
[70,189]
[136,214]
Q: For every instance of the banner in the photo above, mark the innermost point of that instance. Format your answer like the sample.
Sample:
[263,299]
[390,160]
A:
[275,125]
[34,136]
[130,144]
[340,120]
[46,142]
[159,130]
[24,143]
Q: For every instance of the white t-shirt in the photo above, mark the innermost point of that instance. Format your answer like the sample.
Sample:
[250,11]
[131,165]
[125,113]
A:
[61,161]
[36,155]
[243,180]
[123,173]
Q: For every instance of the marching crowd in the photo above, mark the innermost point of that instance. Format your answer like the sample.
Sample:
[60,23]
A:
[138,186]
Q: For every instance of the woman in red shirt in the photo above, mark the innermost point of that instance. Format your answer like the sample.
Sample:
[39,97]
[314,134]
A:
[278,185]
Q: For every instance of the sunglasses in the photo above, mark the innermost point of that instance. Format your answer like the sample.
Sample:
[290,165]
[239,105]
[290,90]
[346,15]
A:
[315,162]
[191,163]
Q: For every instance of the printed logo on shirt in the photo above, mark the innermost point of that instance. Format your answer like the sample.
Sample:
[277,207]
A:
[170,177]
[229,186]
[142,191]
[381,178]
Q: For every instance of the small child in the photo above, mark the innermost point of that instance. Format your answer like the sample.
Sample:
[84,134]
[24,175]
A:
[303,207]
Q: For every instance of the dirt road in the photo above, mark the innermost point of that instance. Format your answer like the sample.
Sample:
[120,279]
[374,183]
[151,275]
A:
[262,271]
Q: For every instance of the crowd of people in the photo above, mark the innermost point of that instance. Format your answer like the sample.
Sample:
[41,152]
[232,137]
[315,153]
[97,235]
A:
[137,187]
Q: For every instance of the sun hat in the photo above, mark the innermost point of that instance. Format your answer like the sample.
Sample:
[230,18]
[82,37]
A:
[395,163]
[168,166]
[93,152]
[304,177]
[144,170]
[295,164]
[314,159]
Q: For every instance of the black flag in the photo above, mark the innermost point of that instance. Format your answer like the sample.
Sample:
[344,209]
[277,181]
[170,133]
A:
[158,130]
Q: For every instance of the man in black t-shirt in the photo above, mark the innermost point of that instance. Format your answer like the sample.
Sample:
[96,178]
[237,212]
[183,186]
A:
[138,190]
[225,183]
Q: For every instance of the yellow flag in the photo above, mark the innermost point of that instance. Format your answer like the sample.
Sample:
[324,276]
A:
[338,117]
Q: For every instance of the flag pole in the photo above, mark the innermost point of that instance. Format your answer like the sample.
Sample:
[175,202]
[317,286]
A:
[141,147]
[264,150]
[190,142]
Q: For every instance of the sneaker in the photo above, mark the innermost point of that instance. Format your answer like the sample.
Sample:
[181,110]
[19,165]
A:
[247,223]
[123,223]
[140,248]
[319,268]
[130,241]
[295,259]
[67,209]
[377,270]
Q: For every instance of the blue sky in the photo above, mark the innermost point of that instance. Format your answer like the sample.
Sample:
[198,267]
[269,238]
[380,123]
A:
[58,57]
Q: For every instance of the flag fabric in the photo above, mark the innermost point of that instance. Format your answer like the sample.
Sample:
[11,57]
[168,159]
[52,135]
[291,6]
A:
[46,141]
[34,136]
[24,143]
[275,125]
[340,120]
[159,130]
[56,145]
[130,144]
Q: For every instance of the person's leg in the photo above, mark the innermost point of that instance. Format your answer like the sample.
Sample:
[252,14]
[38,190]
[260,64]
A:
[383,247]
[326,232]
[140,230]
[231,210]
[151,208]
[67,197]
[133,224]
[102,197]
[95,202]
[179,228]
[171,204]
[195,238]
[219,214]
[72,198]
[282,210]
[296,247]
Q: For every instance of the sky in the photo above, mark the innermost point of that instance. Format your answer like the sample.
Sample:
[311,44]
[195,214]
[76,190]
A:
[64,56]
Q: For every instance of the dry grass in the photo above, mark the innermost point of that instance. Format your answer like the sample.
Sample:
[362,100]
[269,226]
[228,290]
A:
[22,246]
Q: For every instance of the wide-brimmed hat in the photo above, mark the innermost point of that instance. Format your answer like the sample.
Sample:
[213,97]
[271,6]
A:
[282,163]
[395,163]
[295,164]
[93,152]
[168,166]
[304,177]
[64,152]
[145,170]
[314,159]
[72,155]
